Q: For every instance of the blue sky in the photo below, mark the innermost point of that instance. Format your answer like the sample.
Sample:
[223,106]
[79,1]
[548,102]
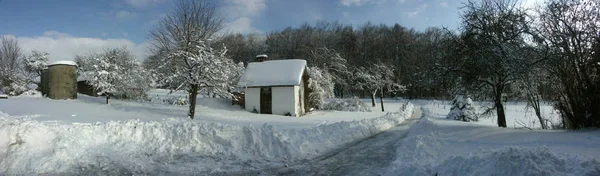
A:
[65,28]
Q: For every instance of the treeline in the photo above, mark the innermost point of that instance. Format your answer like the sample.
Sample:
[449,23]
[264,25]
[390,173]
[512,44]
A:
[409,52]
[500,51]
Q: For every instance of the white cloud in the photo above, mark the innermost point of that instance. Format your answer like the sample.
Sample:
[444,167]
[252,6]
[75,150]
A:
[241,25]
[143,3]
[353,2]
[125,15]
[62,46]
[444,4]
[345,14]
[363,2]
[241,8]
[418,10]
[240,14]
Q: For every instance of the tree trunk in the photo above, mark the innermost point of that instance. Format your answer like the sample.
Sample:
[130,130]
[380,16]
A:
[107,97]
[192,99]
[500,110]
[539,115]
[535,104]
[373,98]
[381,100]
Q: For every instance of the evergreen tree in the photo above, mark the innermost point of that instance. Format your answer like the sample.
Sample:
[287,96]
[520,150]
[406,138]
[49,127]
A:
[462,109]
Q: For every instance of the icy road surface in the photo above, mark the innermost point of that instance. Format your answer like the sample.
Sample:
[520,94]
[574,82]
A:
[371,156]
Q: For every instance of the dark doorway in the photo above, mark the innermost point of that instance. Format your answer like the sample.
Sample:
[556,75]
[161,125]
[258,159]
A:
[265,100]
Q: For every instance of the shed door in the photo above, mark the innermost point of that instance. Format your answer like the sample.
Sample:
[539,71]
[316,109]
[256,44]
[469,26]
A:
[265,100]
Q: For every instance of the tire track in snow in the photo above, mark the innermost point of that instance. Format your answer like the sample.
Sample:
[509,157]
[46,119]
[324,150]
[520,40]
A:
[365,157]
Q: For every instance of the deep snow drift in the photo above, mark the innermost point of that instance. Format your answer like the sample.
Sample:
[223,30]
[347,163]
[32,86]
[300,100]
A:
[169,146]
[436,145]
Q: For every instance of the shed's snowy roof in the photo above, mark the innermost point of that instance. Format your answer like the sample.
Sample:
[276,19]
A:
[63,63]
[273,73]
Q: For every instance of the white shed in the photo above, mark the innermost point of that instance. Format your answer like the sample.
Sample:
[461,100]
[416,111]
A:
[276,87]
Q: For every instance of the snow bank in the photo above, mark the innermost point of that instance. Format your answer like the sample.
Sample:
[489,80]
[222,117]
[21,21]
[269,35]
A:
[352,104]
[171,146]
[517,161]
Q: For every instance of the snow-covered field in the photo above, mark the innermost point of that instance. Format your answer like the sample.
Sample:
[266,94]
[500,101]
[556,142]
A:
[85,136]
[438,146]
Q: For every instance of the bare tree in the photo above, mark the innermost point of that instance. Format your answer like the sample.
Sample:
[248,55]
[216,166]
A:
[570,29]
[190,22]
[530,83]
[493,41]
[11,57]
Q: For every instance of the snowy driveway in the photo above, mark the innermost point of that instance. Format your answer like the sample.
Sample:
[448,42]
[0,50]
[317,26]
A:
[371,156]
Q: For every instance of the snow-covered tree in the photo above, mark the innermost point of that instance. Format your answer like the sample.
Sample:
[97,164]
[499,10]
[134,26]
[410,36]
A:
[320,84]
[203,69]
[332,62]
[115,73]
[378,77]
[182,36]
[366,80]
[37,62]
[10,64]
[462,109]
[33,67]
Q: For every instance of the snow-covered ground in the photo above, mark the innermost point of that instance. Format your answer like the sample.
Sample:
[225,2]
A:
[438,146]
[88,109]
[517,113]
[85,136]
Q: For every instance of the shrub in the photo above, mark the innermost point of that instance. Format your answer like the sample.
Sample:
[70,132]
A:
[353,104]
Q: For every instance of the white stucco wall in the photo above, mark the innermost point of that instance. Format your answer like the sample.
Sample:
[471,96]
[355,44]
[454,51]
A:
[252,99]
[283,100]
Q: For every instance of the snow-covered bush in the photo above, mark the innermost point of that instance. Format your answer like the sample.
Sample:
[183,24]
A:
[15,89]
[15,84]
[31,93]
[463,109]
[321,86]
[353,104]
[175,100]
[115,72]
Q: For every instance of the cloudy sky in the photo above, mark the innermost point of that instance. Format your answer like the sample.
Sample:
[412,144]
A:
[65,28]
